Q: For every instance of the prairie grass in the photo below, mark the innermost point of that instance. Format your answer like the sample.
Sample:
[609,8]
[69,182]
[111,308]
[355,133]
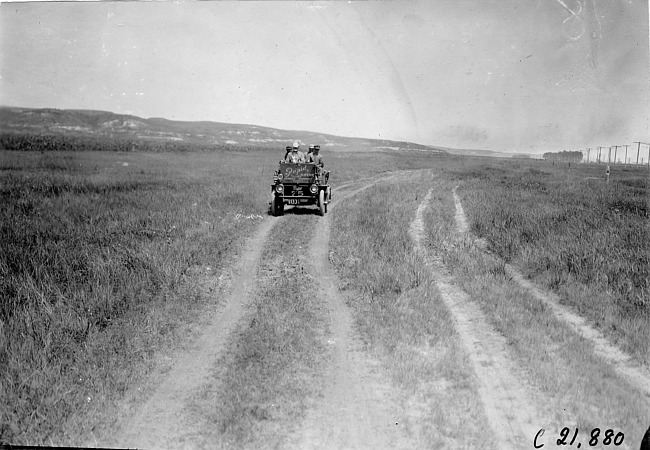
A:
[580,390]
[401,318]
[350,166]
[98,260]
[586,240]
[583,391]
[101,256]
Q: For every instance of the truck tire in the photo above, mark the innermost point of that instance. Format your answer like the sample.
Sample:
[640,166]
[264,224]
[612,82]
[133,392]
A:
[274,205]
[321,202]
[277,206]
[328,197]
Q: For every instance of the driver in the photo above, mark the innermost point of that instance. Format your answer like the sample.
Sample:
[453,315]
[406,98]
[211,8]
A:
[296,156]
[288,150]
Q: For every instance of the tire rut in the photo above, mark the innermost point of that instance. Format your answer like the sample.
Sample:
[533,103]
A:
[164,420]
[356,410]
[620,361]
[501,386]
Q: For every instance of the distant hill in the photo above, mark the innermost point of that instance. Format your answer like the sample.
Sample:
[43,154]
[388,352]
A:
[107,124]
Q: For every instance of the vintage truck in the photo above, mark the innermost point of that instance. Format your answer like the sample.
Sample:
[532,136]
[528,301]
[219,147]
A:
[300,184]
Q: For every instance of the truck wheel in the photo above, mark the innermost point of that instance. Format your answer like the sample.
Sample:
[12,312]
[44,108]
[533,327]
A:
[274,206]
[321,203]
[328,196]
[277,206]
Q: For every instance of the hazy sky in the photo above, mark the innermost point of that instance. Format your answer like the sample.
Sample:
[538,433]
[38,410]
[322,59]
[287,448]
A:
[511,75]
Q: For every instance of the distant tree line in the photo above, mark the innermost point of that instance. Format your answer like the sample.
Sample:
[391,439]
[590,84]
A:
[563,156]
[58,142]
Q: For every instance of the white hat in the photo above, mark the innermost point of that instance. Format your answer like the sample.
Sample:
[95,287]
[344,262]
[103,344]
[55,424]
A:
[296,144]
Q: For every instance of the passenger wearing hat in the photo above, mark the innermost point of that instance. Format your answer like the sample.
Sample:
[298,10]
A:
[296,156]
[315,157]
[288,149]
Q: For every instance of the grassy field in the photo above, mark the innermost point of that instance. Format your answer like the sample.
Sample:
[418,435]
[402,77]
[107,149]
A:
[400,316]
[584,239]
[547,224]
[570,212]
[99,257]
[102,254]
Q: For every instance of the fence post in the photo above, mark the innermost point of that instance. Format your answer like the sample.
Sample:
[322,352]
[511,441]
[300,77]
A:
[616,152]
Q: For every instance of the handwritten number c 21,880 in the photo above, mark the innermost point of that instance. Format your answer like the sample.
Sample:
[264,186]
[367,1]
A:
[608,437]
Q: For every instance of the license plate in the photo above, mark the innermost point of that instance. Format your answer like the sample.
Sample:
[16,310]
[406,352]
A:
[293,201]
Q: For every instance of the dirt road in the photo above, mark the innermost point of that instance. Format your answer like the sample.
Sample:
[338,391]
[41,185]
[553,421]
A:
[356,411]
[509,405]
